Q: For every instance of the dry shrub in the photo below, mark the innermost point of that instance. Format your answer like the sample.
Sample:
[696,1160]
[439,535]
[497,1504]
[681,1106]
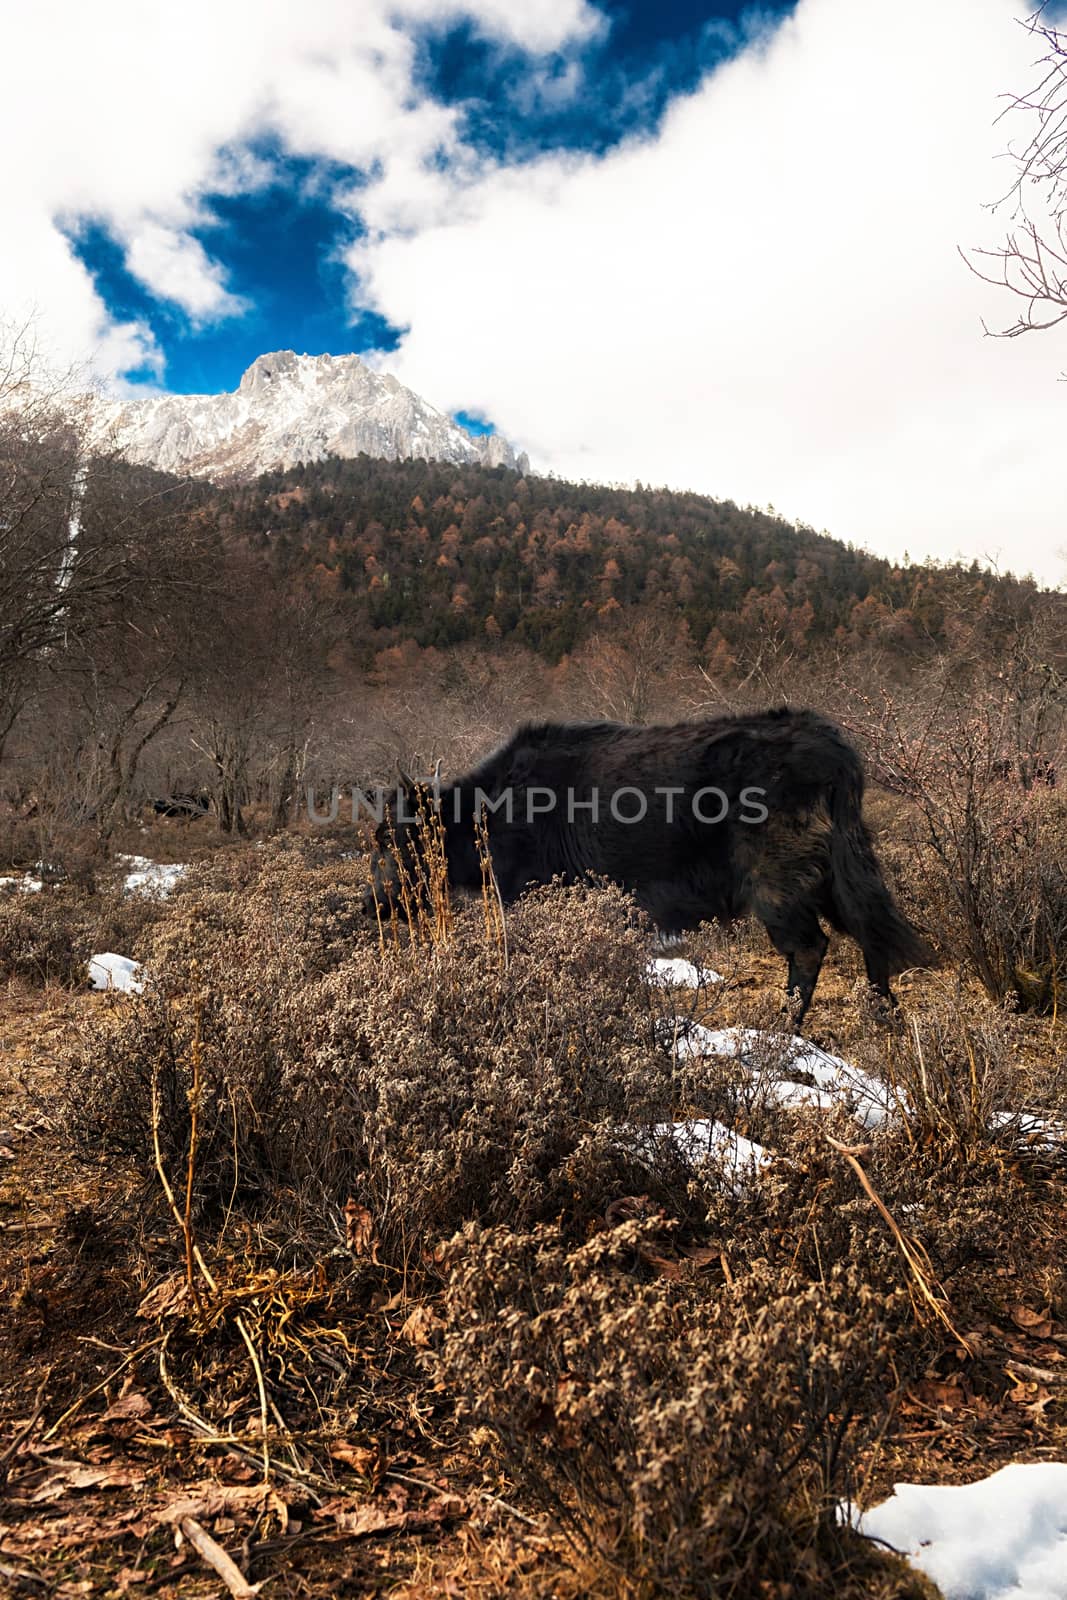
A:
[987,865]
[431,1086]
[290,910]
[227,960]
[995,871]
[697,1443]
[475,1090]
[956,1060]
[43,937]
[49,936]
[66,852]
[964,1220]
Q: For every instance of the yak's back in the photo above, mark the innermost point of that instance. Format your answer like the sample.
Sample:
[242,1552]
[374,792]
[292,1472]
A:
[791,752]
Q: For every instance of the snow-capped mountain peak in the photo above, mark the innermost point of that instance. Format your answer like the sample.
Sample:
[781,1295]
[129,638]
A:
[289,409]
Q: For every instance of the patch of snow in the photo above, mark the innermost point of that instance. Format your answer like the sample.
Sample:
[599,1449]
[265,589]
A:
[119,973]
[702,1139]
[1003,1538]
[1031,1129]
[836,1082]
[22,885]
[672,972]
[150,877]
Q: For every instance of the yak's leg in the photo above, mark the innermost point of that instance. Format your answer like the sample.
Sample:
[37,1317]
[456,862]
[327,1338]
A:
[878,978]
[799,938]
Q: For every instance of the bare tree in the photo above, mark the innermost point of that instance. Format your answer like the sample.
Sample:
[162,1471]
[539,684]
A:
[1032,261]
[257,686]
[89,546]
[640,666]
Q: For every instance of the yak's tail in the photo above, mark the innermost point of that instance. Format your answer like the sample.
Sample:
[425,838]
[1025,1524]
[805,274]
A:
[862,899]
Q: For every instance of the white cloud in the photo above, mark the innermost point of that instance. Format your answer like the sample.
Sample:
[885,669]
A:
[762,301]
[538,27]
[765,301]
[127,114]
[176,267]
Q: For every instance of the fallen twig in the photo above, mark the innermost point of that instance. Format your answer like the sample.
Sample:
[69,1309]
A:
[88,1395]
[24,1432]
[483,1494]
[212,1552]
[23,1576]
[210,1435]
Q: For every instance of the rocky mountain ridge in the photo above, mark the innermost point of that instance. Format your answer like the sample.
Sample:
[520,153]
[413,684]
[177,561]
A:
[292,409]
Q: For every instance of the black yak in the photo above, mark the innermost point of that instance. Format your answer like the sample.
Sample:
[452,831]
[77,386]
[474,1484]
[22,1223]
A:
[183,805]
[701,821]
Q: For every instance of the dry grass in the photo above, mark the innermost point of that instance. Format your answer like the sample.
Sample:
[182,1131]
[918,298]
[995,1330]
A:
[406,1244]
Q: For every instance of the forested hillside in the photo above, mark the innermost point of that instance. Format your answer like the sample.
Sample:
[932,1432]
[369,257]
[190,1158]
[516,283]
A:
[419,551]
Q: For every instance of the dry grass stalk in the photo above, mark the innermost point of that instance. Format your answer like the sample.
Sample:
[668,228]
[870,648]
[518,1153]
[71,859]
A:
[184,1221]
[421,880]
[927,1295]
[496,931]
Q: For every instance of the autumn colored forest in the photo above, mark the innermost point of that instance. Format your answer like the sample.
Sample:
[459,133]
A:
[420,552]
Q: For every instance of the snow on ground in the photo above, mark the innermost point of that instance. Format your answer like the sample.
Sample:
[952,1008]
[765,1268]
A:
[1003,1538]
[697,1140]
[835,1081]
[110,971]
[22,885]
[150,877]
[672,972]
[702,1140]
[1034,1131]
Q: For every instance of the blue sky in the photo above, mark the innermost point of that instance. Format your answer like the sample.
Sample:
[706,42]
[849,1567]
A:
[281,243]
[716,247]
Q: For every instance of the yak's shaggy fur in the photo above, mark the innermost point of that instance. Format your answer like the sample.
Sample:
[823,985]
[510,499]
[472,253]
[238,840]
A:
[790,849]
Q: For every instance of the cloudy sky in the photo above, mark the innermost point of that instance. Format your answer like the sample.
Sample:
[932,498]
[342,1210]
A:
[700,244]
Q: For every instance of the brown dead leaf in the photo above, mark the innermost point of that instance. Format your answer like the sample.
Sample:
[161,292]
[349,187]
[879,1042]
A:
[356,1456]
[380,1301]
[360,1235]
[931,1392]
[127,1577]
[359,1518]
[77,1475]
[129,1406]
[667,1266]
[701,1255]
[1038,1324]
[418,1328]
[166,1299]
[208,1500]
